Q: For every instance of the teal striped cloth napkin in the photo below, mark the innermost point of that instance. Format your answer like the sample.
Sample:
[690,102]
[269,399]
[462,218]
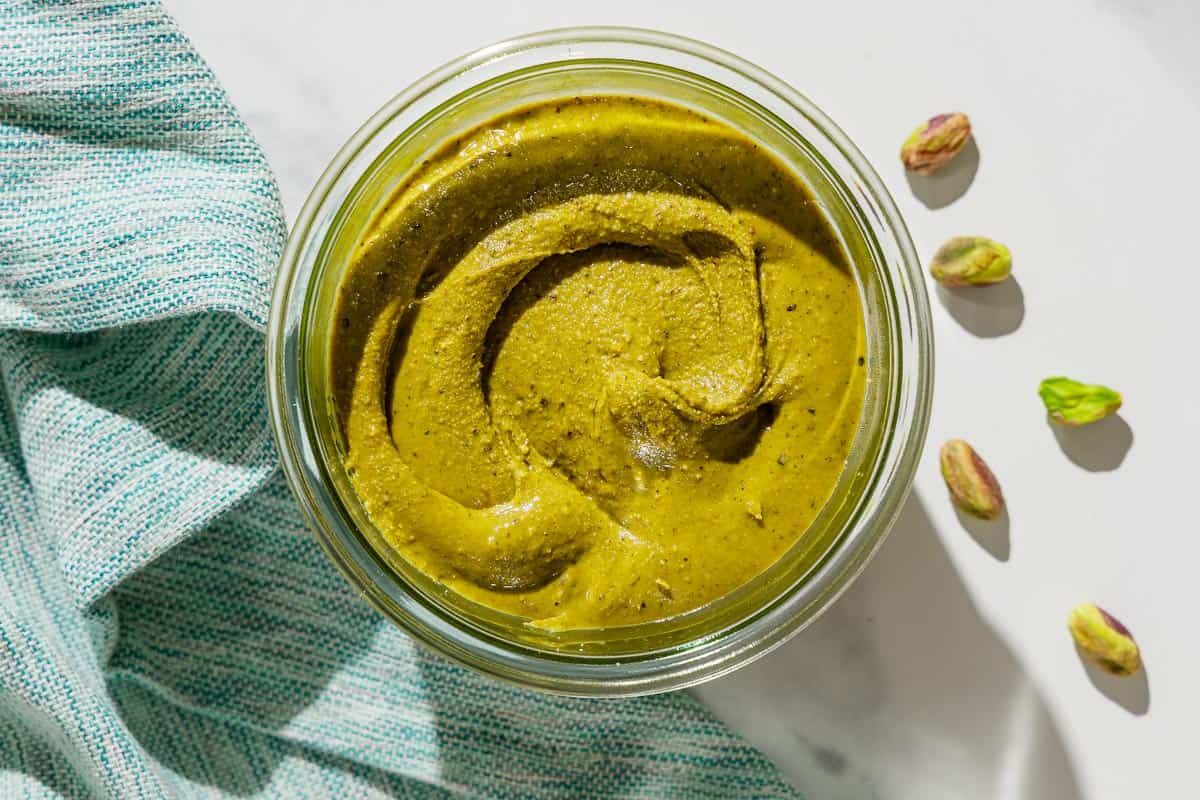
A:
[168,627]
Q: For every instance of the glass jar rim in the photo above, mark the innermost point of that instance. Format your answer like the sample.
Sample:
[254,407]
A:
[566,673]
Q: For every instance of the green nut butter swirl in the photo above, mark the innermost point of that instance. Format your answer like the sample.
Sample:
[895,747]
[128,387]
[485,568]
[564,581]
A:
[597,362]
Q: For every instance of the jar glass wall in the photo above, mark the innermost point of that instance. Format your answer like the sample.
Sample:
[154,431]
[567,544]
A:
[667,653]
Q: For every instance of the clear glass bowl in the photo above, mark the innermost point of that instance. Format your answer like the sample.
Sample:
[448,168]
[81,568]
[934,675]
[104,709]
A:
[734,630]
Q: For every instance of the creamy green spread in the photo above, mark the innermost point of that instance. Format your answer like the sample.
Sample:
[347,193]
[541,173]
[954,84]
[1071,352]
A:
[599,361]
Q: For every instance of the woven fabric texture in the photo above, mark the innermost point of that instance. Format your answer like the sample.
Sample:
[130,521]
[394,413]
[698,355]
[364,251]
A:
[168,628]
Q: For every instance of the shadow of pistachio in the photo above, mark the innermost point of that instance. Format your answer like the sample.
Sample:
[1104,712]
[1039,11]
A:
[950,182]
[1098,447]
[986,311]
[990,534]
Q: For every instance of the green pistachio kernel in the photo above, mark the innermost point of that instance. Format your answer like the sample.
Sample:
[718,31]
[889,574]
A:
[935,143]
[1104,640]
[972,485]
[971,261]
[1074,403]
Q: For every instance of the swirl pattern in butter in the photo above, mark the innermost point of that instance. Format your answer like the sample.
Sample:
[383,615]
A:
[597,362]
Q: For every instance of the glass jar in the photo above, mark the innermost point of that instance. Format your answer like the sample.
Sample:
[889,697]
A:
[735,629]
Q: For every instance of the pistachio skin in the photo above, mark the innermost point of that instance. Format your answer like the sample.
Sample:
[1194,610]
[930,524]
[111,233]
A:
[1070,402]
[971,261]
[972,485]
[1104,640]
[935,143]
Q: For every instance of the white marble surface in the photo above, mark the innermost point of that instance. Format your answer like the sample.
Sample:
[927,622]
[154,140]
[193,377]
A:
[946,671]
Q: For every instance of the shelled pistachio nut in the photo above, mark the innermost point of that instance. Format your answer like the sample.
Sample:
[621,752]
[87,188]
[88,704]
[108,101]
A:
[1104,640]
[972,485]
[935,143]
[1073,403]
[971,261]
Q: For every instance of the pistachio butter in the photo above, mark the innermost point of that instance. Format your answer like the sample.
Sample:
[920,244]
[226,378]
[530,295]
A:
[598,361]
